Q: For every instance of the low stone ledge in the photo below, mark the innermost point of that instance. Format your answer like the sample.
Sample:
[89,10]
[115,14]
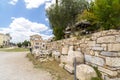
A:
[108,78]
[107,71]
[110,54]
[118,38]
[96,48]
[63,58]
[113,61]
[106,39]
[69,68]
[114,47]
[95,60]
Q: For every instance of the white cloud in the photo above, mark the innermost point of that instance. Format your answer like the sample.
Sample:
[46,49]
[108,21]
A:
[49,3]
[13,2]
[33,3]
[36,3]
[46,19]
[20,29]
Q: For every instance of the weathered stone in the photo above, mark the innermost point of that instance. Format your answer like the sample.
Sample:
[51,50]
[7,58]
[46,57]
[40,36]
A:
[113,61]
[98,34]
[87,51]
[63,58]
[106,39]
[96,53]
[74,54]
[114,47]
[110,54]
[92,52]
[91,43]
[97,48]
[107,71]
[118,38]
[62,65]
[95,60]
[104,33]
[104,46]
[85,72]
[69,68]
[83,45]
[93,38]
[108,78]
[65,50]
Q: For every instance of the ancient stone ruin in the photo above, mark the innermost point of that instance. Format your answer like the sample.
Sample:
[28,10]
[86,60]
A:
[101,49]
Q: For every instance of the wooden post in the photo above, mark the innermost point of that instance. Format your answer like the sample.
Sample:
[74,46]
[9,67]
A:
[75,69]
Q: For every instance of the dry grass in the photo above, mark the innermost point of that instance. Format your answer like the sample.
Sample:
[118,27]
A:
[57,72]
[14,49]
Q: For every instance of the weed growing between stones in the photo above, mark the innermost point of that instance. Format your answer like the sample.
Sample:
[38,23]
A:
[99,75]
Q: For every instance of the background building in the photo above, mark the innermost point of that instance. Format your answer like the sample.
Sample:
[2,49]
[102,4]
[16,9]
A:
[37,42]
[4,39]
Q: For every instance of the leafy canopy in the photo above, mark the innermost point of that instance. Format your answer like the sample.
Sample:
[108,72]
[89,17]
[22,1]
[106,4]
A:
[103,14]
[63,14]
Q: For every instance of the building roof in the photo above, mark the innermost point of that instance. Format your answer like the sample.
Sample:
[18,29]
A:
[82,24]
[35,35]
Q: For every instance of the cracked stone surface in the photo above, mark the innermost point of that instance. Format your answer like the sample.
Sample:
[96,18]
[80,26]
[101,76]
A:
[15,66]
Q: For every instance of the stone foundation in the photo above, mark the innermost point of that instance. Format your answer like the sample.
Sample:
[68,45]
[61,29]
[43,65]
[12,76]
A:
[101,49]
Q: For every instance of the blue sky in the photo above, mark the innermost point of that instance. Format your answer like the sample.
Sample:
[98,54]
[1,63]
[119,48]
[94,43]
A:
[22,18]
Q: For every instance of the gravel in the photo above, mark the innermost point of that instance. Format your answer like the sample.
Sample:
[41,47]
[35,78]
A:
[15,66]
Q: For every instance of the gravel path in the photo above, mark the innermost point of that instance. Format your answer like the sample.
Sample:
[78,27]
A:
[15,66]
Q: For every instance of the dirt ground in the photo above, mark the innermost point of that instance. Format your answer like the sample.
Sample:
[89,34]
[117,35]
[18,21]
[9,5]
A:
[15,66]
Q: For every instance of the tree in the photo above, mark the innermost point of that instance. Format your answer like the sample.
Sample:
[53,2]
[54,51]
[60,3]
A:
[103,14]
[63,14]
[19,44]
[26,43]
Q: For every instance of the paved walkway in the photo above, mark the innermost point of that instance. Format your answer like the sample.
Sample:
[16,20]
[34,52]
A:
[15,66]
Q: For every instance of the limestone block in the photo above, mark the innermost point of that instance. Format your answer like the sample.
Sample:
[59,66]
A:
[93,38]
[95,60]
[69,68]
[115,32]
[114,47]
[63,58]
[108,78]
[110,54]
[61,65]
[106,39]
[83,45]
[98,34]
[98,48]
[104,33]
[65,50]
[55,53]
[91,43]
[85,72]
[107,71]
[113,61]
[87,51]
[96,53]
[104,46]
[74,54]
[92,52]
[118,38]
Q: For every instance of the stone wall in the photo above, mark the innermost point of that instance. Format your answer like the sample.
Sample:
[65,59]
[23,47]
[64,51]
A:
[101,49]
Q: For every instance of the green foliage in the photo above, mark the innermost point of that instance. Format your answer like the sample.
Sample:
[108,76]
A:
[99,75]
[26,43]
[63,14]
[1,46]
[95,78]
[19,44]
[103,14]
